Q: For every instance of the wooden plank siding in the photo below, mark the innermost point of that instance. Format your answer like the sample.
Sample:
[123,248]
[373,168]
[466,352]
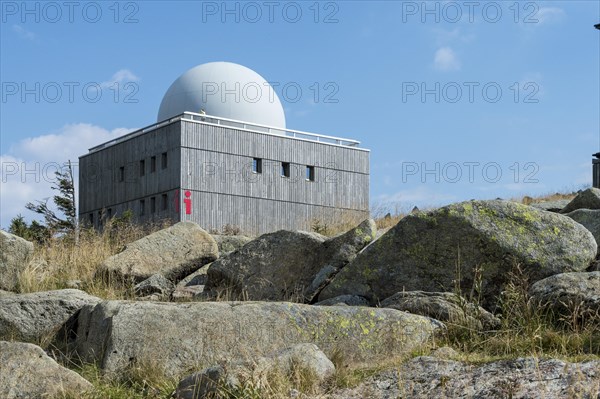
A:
[214,163]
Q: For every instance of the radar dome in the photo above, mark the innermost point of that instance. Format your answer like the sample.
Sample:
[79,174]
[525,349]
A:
[226,90]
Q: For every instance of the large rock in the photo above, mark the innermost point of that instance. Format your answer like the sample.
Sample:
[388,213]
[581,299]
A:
[39,316]
[590,219]
[306,358]
[568,292]
[27,372]
[485,238]
[443,306]
[526,378]
[284,265]
[180,336]
[588,199]
[173,252]
[15,253]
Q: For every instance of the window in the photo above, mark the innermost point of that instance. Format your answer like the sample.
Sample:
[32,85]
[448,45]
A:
[99,219]
[91,218]
[142,167]
[285,169]
[310,173]
[257,165]
[122,174]
[142,207]
[163,160]
[109,213]
[153,205]
[152,164]
[165,202]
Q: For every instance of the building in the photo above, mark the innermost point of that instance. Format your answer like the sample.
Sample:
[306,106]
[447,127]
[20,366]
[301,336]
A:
[222,160]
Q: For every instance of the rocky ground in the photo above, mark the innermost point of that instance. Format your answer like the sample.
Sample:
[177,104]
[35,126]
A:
[297,314]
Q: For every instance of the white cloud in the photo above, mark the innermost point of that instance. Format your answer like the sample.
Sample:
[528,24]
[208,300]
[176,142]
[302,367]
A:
[120,77]
[23,33]
[549,15]
[445,59]
[28,169]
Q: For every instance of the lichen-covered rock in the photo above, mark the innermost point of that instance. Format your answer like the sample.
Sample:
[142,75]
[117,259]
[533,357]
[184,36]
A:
[15,253]
[287,265]
[174,252]
[590,219]
[27,372]
[210,381]
[115,334]
[587,199]
[567,293]
[443,306]
[525,378]
[39,316]
[474,244]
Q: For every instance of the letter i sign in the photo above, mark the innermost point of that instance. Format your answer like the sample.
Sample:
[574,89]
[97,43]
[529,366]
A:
[187,201]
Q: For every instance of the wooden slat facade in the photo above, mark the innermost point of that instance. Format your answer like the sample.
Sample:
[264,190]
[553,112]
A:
[215,164]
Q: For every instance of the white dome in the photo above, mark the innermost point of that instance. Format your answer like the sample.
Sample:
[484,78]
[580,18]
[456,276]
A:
[226,90]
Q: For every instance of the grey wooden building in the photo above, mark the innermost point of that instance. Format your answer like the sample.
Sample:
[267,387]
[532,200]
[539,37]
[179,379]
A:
[218,171]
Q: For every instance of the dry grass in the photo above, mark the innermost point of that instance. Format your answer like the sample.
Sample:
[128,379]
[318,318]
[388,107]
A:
[64,260]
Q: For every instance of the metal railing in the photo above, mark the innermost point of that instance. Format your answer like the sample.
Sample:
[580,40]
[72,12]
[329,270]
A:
[247,126]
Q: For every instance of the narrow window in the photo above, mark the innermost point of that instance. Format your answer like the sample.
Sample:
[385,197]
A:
[142,167]
[142,207]
[310,173]
[91,216]
[153,205]
[152,164]
[100,219]
[165,202]
[163,160]
[257,165]
[285,169]
[122,174]
[109,213]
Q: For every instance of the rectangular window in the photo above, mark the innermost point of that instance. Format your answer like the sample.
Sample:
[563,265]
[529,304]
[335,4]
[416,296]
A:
[152,164]
[165,202]
[109,213]
[163,160]
[257,165]
[142,207]
[310,173]
[91,219]
[142,167]
[122,174]
[153,205]
[100,219]
[285,169]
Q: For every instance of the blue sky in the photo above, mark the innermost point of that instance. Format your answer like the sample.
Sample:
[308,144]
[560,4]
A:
[456,100]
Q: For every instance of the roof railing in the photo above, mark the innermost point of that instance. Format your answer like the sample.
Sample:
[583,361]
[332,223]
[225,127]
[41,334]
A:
[237,124]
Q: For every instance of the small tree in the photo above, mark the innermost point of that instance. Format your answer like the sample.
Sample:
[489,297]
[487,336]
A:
[65,203]
[33,232]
